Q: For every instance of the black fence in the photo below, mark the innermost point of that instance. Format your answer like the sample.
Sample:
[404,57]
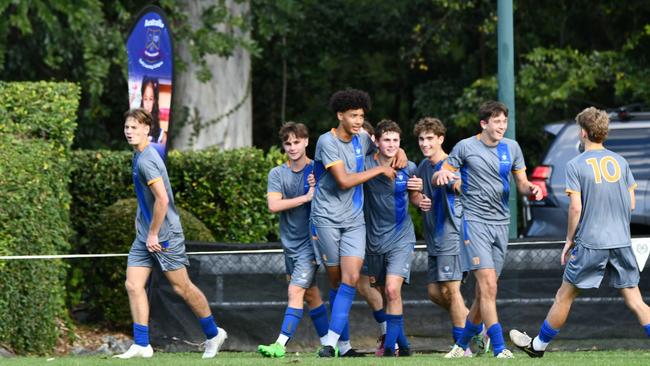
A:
[246,288]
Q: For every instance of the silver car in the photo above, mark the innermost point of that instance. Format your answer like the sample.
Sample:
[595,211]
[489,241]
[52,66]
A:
[629,136]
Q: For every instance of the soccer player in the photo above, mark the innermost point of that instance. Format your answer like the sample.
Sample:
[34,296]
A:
[441,227]
[600,186]
[390,233]
[337,207]
[485,162]
[159,239]
[290,191]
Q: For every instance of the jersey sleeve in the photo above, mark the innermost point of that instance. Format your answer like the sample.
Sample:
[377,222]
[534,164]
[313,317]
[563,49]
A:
[150,170]
[572,180]
[327,152]
[274,185]
[456,158]
[412,169]
[518,163]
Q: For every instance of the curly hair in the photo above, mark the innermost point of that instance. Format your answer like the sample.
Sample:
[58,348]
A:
[345,100]
[429,124]
[386,125]
[595,122]
[491,109]
[292,128]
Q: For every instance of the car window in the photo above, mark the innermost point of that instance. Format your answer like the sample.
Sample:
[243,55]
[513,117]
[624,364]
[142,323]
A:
[633,144]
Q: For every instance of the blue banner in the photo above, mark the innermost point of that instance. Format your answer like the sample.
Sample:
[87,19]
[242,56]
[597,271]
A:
[151,72]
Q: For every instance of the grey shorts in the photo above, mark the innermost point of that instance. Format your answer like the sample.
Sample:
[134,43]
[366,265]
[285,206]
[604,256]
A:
[485,245]
[170,259]
[301,271]
[587,267]
[443,268]
[335,242]
[396,262]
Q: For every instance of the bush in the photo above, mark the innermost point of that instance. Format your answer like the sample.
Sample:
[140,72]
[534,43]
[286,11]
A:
[113,233]
[37,123]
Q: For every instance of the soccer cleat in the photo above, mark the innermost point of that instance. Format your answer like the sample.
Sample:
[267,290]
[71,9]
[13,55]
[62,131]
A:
[390,353]
[524,343]
[505,354]
[380,345]
[275,350]
[328,352]
[456,352]
[352,353]
[482,342]
[136,351]
[468,353]
[213,344]
[403,352]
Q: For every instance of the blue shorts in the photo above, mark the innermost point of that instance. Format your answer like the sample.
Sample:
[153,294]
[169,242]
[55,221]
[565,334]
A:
[485,245]
[587,267]
[396,262]
[301,271]
[335,242]
[444,268]
[170,259]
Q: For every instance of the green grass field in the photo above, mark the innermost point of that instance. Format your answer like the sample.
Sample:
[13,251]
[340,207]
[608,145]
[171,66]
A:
[627,358]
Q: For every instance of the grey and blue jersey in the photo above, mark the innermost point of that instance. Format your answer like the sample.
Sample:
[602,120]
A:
[295,234]
[442,221]
[388,223]
[485,177]
[149,168]
[331,205]
[604,180]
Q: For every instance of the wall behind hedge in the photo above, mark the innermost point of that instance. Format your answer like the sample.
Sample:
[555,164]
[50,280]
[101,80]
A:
[37,122]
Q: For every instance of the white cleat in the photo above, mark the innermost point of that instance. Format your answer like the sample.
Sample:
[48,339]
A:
[136,351]
[456,352]
[468,353]
[213,344]
[505,354]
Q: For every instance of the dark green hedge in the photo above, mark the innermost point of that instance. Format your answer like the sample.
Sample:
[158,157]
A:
[37,123]
[113,233]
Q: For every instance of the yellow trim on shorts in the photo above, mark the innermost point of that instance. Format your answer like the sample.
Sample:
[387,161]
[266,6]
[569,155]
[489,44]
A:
[154,181]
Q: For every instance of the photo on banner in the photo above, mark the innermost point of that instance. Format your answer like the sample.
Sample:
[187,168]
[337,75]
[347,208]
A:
[150,67]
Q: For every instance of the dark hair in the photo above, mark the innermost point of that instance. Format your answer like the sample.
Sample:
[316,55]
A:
[368,127]
[292,128]
[429,124]
[491,109]
[386,125]
[595,122]
[140,115]
[155,110]
[345,100]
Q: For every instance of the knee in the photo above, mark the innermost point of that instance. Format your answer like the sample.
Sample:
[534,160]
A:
[393,293]
[488,290]
[182,289]
[133,287]
[351,279]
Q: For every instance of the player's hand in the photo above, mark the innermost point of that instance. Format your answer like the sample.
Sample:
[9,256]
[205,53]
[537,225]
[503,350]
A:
[400,161]
[311,180]
[414,184]
[310,194]
[566,251]
[388,172]
[425,203]
[442,177]
[152,243]
[535,191]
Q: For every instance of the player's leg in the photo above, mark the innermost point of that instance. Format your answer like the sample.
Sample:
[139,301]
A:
[394,315]
[375,301]
[624,275]
[456,306]
[317,312]
[634,301]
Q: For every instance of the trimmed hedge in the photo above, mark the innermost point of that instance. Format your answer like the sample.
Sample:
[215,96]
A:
[37,122]
[113,233]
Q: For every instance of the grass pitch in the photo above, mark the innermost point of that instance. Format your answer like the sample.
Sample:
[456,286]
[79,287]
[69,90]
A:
[626,357]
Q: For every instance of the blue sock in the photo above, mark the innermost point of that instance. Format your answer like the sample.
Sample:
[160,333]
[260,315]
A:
[496,337]
[140,334]
[401,338]
[345,333]
[319,318]
[341,310]
[209,326]
[647,329]
[547,333]
[392,331]
[291,319]
[469,331]
[380,315]
[457,332]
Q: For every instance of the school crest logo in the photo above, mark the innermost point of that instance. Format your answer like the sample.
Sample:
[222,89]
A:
[152,56]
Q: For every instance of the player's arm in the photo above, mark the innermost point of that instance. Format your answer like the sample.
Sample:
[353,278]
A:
[632,198]
[347,180]
[575,210]
[400,161]
[159,212]
[444,176]
[277,204]
[420,200]
[524,186]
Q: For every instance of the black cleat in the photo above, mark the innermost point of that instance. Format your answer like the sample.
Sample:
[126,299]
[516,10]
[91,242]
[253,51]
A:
[328,352]
[404,352]
[353,353]
[525,343]
[389,353]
